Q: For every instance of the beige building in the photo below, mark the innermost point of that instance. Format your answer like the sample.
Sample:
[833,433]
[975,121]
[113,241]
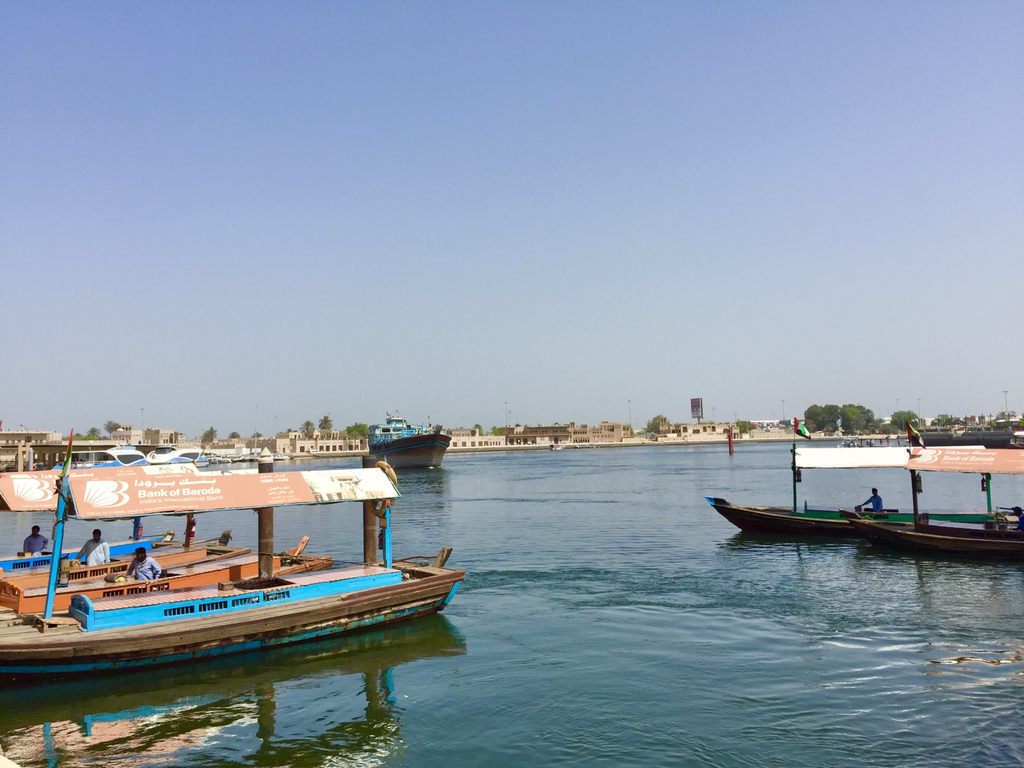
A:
[474,438]
[697,432]
[334,441]
[565,434]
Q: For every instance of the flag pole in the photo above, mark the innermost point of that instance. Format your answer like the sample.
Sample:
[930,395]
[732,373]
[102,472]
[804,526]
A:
[793,451]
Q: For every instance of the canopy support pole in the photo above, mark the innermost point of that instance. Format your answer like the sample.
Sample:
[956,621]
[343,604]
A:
[57,547]
[369,524]
[988,490]
[793,467]
[265,519]
[913,491]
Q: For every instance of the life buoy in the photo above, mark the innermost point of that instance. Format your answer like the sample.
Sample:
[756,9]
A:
[381,506]
[389,471]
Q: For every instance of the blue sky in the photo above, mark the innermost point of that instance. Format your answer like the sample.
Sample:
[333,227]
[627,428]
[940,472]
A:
[246,215]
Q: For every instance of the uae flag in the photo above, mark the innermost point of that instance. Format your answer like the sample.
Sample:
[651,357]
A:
[800,429]
[914,437]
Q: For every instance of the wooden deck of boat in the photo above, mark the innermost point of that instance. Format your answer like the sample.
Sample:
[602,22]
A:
[178,571]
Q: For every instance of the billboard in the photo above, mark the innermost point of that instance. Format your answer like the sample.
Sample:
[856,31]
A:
[696,408]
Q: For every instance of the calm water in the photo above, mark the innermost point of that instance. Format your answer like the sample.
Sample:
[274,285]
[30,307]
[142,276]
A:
[609,617]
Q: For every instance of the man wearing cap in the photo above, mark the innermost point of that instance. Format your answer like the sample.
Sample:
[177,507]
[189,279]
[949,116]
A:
[144,567]
[35,543]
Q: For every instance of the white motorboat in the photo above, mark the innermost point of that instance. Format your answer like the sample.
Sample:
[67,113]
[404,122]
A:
[169,454]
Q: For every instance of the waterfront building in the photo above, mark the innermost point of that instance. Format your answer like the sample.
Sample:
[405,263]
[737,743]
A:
[567,434]
[474,438]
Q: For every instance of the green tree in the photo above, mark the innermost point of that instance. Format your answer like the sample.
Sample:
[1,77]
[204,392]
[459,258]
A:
[944,420]
[479,429]
[899,420]
[357,430]
[209,436]
[308,428]
[234,436]
[654,425]
[743,426]
[111,427]
[93,434]
[857,419]
[326,425]
[823,418]
[497,431]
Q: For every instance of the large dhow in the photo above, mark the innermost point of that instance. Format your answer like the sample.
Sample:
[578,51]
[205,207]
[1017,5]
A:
[100,634]
[996,535]
[793,521]
[401,444]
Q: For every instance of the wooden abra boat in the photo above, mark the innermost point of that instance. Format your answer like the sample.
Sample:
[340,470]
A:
[997,536]
[104,633]
[828,522]
[974,540]
[792,521]
[807,522]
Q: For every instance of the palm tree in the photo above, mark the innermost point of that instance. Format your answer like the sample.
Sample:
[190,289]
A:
[308,428]
[209,436]
[111,427]
[326,425]
[93,434]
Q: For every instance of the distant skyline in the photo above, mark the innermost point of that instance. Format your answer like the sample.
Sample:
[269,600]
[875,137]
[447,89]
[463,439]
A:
[247,216]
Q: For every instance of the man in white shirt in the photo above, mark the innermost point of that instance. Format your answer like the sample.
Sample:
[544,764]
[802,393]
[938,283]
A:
[35,543]
[95,550]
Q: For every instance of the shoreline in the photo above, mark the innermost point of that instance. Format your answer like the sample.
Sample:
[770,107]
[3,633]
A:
[630,443]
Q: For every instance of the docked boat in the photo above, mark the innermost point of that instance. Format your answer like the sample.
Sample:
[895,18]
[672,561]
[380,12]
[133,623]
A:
[113,633]
[412,446]
[997,536]
[986,438]
[119,456]
[170,454]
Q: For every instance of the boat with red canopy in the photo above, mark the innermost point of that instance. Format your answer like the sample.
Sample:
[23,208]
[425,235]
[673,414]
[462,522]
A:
[130,631]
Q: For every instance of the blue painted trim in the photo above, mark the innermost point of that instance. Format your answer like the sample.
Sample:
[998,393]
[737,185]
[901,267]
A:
[85,611]
[451,593]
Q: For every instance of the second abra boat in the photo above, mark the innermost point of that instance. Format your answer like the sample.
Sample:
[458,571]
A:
[413,446]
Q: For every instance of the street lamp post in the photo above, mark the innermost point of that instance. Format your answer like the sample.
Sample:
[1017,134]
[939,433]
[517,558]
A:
[783,410]
[1006,406]
[629,404]
[506,414]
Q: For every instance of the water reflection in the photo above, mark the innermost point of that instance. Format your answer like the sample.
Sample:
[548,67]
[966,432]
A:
[332,700]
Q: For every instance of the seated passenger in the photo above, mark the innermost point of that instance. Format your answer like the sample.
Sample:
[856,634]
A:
[144,567]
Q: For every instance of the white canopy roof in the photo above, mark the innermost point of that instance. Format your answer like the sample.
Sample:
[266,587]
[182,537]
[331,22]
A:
[851,458]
